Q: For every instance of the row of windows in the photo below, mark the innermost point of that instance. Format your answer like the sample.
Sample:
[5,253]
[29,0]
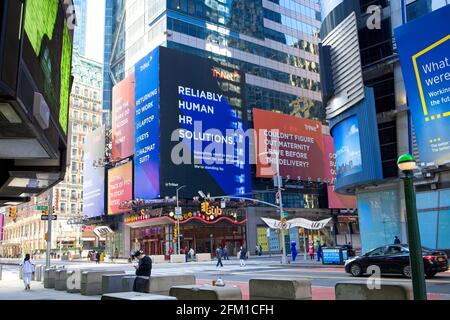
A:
[76,117]
[73,194]
[242,45]
[73,207]
[254,69]
[291,22]
[74,179]
[291,41]
[82,128]
[267,99]
[242,16]
[86,93]
[297,7]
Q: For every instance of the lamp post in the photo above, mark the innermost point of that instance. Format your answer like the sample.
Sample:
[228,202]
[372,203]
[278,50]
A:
[277,159]
[178,216]
[406,163]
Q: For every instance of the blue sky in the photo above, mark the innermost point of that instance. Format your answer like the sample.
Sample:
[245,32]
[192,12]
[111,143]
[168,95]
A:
[95,29]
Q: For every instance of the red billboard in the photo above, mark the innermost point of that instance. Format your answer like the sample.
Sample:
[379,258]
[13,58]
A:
[123,119]
[335,200]
[298,142]
[120,187]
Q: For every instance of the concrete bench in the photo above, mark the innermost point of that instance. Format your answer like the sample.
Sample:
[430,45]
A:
[135,296]
[360,291]
[112,283]
[158,259]
[91,281]
[203,257]
[61,280]
[206,292]
[279,289]
[177,258]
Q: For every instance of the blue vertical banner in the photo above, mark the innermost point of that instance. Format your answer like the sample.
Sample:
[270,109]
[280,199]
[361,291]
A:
[424,47]
[147,138]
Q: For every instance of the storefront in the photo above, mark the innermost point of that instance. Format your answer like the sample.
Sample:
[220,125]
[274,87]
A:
[203,232]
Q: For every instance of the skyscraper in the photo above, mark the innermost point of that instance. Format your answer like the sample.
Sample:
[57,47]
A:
[79,39]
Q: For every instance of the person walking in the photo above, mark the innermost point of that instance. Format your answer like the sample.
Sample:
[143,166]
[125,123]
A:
[397,240]
[260,249]
[219,254]
[311,251]
[256,250]
[192,254]
[143,269]
[27,271]
[225,253]
[242,256]
[319,251]
[97,257]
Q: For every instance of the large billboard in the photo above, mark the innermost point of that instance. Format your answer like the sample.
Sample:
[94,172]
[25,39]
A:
[1,226]
[191,136]
[299,143]
[335,200]
[94,176]
[120,187]
[47,52]
[348,147]
[146,131]
[123,119]
[424,46]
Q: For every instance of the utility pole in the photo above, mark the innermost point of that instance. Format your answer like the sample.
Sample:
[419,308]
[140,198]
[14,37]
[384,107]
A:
[49,228]
[280,199]
[178,216]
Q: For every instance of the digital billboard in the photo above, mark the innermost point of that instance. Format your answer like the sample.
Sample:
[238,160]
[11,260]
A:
[335,200]
[348,147]
[47,52]
[123,119]
[299,143]
[188,122]
[1,226]
[120,187]
[424,46]
[146,131]
[94,176]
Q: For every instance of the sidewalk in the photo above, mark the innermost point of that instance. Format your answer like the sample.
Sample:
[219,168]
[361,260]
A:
[12,288]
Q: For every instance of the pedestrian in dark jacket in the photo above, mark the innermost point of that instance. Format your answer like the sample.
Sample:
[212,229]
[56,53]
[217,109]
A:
[143,269]
[97,257]
[219,253]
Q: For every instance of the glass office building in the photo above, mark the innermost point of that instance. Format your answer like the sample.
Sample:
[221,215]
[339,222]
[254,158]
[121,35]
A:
[79,37]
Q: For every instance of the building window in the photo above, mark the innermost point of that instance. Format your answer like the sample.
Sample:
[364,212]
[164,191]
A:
[63,193]
[74,178]
[73,195]
[73,208]
[62,207]
[74,166]
[77,90]
[86,93]
[74,139]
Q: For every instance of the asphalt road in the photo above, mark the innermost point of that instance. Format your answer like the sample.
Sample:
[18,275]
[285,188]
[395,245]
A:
[319,276]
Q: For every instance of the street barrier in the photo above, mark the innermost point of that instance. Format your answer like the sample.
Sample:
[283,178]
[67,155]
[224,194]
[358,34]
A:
[203,257]
[135,296]
[158,259]
[206,292]
[361,291]
[1,269]
[49,278]
[91,281]
[128,283]
[177,258]
[61,280]
[112,283]
[37,276]
[161,284]
[279,289]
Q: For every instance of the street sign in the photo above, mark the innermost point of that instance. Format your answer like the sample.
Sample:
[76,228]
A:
[45,217]
[41,208]
[178,212]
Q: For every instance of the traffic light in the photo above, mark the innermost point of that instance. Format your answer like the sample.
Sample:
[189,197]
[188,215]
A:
[175,232]
[12,212]
[45,212]
[54,209]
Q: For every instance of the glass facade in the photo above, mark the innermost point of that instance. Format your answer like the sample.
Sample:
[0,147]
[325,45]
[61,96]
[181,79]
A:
[79,37]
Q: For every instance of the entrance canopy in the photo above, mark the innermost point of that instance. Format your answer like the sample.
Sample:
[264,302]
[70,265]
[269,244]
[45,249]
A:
[297,222]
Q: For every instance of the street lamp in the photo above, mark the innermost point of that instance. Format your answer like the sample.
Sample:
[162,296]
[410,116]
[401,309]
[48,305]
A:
[406,163]
[178,216]
[277,159]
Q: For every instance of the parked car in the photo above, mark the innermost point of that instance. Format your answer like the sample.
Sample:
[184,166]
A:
[394,259]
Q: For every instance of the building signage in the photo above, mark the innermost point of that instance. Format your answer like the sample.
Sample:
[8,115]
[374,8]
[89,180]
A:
[297,222]
[102,231]
[120,187]
[123,119]
[94,174]
[424,47]
[298,141]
